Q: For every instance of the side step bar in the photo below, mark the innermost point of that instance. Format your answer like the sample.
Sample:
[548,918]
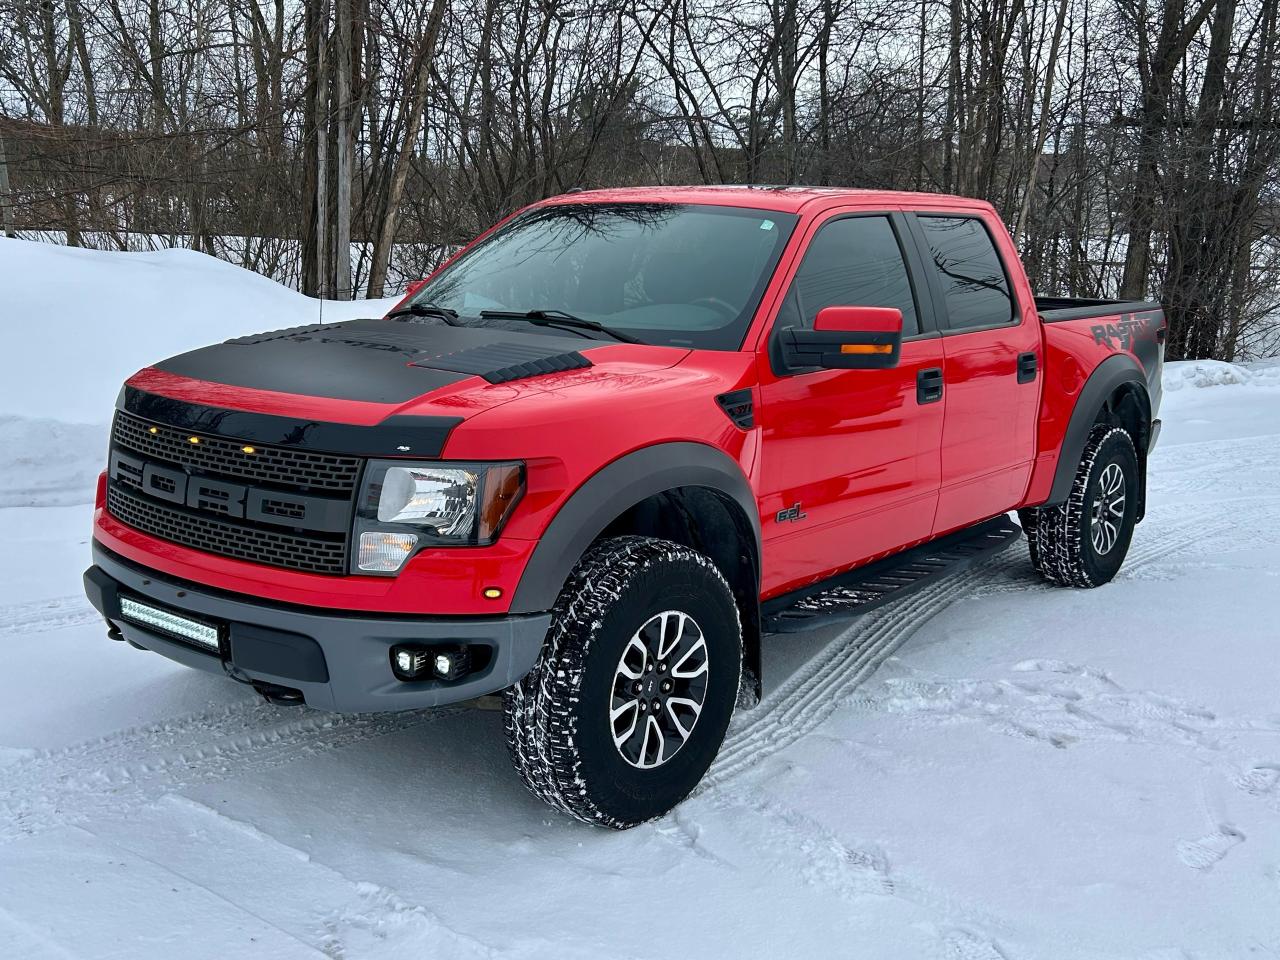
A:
[849,595]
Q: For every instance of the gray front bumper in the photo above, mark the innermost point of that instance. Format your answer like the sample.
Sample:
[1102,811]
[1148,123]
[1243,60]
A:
[339,660]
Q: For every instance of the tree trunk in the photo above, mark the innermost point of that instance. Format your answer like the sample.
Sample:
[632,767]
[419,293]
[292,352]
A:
[1042,129]
[414,107]
[6,202]
[342,159]
[1171,46]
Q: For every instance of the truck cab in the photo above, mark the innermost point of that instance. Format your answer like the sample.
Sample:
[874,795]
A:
[607,450]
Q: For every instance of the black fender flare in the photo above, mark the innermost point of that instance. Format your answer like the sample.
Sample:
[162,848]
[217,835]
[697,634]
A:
[1111,374]
[612,490]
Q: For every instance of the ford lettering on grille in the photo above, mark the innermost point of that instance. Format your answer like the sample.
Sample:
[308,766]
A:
[177,498]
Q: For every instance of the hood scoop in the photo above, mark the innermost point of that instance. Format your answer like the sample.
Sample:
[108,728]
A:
[504,362]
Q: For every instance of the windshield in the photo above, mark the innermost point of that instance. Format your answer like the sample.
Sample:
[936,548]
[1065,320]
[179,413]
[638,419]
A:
[664,273]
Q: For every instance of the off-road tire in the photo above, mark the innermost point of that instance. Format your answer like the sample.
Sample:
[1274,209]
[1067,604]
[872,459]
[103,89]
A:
[557,718]
[1061,538]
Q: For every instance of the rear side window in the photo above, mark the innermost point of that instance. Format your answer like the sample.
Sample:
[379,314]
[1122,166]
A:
[852,262]
[973,280]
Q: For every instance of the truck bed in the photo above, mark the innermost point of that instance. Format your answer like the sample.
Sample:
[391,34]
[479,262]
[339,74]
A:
[1058,309]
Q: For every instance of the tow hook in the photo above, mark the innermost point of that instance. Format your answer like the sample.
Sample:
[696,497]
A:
[273,693]
[280,696]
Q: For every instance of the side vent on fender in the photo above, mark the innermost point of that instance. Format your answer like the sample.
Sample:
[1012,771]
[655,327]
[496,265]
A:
[738,407]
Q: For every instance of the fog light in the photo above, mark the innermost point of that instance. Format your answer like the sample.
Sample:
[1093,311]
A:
[451,664]
[410,664]
[385,552]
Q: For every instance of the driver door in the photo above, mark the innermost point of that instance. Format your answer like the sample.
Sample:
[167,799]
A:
[851,459]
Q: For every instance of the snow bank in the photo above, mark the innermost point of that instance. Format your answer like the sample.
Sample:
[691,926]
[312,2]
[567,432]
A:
[1204,373]
[77,323]
[49,463]
[82,321]
[1219,373]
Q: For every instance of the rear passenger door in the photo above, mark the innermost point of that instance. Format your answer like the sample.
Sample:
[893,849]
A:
[849,467]
[991,350]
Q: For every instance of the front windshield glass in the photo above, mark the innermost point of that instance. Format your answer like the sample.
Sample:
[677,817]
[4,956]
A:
[684,275]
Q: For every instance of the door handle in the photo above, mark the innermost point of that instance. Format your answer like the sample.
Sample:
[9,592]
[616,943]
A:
[929,385]
[1026,367]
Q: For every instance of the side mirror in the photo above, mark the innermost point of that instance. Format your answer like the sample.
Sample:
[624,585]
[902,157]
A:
[844,338]
[414,287]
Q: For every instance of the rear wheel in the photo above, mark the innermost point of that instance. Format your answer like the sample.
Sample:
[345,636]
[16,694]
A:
[629,701]
[1083,542]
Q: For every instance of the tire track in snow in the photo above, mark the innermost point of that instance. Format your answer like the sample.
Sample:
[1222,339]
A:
[827,680]
[751,828]
[41,616]
[810,695]
[117,773]
[819,687]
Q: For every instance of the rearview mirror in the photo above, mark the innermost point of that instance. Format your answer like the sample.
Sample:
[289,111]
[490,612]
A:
[844,338]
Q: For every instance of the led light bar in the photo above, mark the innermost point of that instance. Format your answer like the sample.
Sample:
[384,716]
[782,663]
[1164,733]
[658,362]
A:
[201,634]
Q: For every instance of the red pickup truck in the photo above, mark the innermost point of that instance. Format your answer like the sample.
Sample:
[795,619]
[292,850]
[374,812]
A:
[609,447]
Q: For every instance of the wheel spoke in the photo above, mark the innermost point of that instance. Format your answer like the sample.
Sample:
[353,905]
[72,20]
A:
[693,706]
[1117,506]
[669,638]
[614,715]
[635,647]
[651,727]
[678,669]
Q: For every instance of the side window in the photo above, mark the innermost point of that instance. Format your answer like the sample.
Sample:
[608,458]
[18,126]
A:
[852,262]
[973,280]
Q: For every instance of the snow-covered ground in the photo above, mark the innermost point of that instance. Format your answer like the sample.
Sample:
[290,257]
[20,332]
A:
[990,769]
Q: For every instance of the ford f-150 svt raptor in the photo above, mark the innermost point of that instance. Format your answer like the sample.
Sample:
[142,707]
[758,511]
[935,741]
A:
[605,450]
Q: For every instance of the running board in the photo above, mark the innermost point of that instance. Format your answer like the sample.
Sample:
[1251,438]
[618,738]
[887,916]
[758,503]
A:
[849,595]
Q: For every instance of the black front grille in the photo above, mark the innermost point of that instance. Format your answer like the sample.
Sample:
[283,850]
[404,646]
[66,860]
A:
[272,505]
[297,469]
[314,553]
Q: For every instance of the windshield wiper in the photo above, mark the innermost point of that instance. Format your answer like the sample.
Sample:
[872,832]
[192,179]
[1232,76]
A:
[558,318]
[427,310]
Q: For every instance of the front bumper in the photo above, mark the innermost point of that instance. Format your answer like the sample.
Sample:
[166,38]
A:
[338,660]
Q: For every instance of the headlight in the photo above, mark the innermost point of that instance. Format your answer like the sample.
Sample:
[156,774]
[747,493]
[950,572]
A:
[404,506]
[443,499]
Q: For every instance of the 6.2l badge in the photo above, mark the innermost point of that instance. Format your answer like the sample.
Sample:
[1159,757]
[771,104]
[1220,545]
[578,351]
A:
[793,514]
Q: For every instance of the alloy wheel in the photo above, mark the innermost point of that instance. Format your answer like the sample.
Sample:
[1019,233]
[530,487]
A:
[659,688]
[1108,509]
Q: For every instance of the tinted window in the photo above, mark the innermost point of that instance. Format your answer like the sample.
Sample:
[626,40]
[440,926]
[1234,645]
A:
[852,262]
[973,280]
[680,274]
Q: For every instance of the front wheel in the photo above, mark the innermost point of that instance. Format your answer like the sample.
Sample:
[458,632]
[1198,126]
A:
[1083,542]
[629,700]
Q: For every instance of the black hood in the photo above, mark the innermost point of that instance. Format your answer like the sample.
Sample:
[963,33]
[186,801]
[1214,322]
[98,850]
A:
[379,361]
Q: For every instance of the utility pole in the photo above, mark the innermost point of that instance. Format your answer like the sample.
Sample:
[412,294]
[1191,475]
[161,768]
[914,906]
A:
[342,104]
